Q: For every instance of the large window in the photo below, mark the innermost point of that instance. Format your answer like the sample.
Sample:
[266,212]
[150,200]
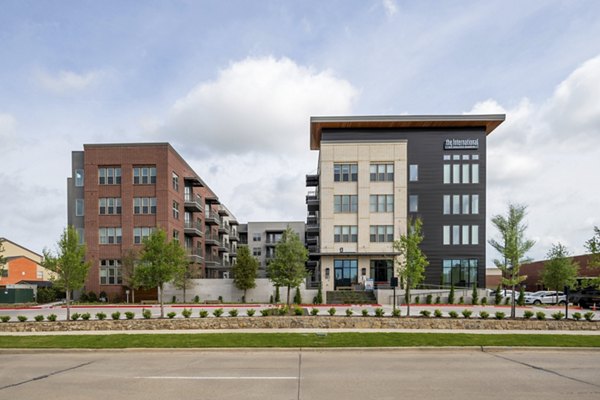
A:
[345,233]
[110,272]
[461,204]
[141,233]
[256,237]
[413,203]
[144,205]
[110,235]
[459,272]
[175,181]
[346,272]
[144,175]
[381,202]
[413,172]
[460,234]
[79,207]
[109,175]
[78,177]
[382,172]
[381,233]
[256,251]
[465,172]
[345,203]
[175,209]
[345,172]
[109,205]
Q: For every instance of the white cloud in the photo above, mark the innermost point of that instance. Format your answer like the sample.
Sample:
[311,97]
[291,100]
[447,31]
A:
[390,6]
[8,127]
[68,81]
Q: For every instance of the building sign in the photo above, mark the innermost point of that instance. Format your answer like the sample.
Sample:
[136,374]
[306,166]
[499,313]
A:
[461,144]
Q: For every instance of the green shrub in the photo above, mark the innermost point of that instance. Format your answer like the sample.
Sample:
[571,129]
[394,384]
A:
[438,313]
[540,315]
[461,300]
[265,312]
[507,301]
[451,295]
[174,299]
[38,318]
[315,300]
[116,315]
[589,316]
[22,318]
[75,316]
[425,313]
[86,316]
[438,300]
[196,299]
[277,295]
[218,312]
[558,315]
[129,314]
[428,299]
[46,295]
[528,314]
[365,312]
[233,312]
[349,312]
[83,298]
[500,315]
[331,311]
[147,314]
[417,299]
[314,311]
[396,312]
[171,314]
[498,296]
[467,313]
[298,296]
[203,313]
[282,310]
[453,314]
[92,297]
[319,296]
[271,299]
[5,318]
[51,317]
[379,312]
[484,314]
[484,301]
[577,316]
[475,295]
[100,316]
[298,311]
[521,298]
[220,299]
[250,312]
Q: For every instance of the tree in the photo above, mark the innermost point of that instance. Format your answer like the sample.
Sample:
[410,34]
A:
[560,270]
[475,295]
[451,294]
[68,264]
[129,260]
[513,246]
[593,246]
[184,280]
[245,270]
[411,262]
[160,262]
[288,267]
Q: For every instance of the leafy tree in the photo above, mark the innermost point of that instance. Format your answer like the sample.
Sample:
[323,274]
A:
[513,246]
[560,270]
[184,280]
[412,262]
[593,246]
[129,260]
[245,270]
[68,263]
[287,268]
[160,262]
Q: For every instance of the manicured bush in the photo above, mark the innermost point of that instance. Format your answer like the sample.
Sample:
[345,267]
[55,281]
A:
[417,299]
[116,315]
[319,296]
[558,315]
[265,312]
[282,310]
[429,299]
[577,316]
[521,298]
[204,313]
[196,299]
[38,318]
[174,299]
[438,300]
[365,312]
[51,317]
[5,318]
[250,312]
[484,314]
[75,316]
[540,315]
[271,299]
[425,313]
[220,299]
[589,316]
[232,313]
[86,316]
[100,316]
[396,312]
[451,295]
[498,296]
[129,314]
[218,312]
[277,295]
[475,295]
[467,313]
[147,314]
[453,314]
[298,311]
[484,301]
[171,314]
[438,313]
[83,298]
[528,314]
[507,301]
[92,297]
[349,312]
[331,311]
[46,295]
[461,300]
[499,315]
[298,296]
[314,311]
[379,312]
[22,318]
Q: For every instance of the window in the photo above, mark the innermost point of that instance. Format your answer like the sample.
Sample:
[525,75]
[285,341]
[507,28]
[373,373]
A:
[447,173]
[79,207]
[456,156]
[465,157]
[465,173]
[475,173]
[455,173]
[256,251]
[109,176]
[345,172]
[79,177]
[176,235]
[465,234]
[465,203]
[475,234]
[447,157]
[110,272]
[456,204]
[413,172]
[413,203]
[109,205]
[381,172]
[470,204]
[175,179]
[4,273]
[475,157]
[460,273]
[446,204]
[446,235]
[144,175]
[455,234]
[345,233]
[381,233]
[141,233]
[346,203]
[80,235]
[175,209]
[475,204]
[256,237]
[144,205]
[110,235]
[381,202]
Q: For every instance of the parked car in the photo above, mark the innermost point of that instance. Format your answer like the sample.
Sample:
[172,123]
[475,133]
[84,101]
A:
[586,297]
[546,297]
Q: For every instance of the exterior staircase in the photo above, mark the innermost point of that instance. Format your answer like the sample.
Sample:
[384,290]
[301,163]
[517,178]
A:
[351,297]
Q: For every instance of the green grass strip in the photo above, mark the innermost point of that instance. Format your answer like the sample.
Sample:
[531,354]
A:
[286,340]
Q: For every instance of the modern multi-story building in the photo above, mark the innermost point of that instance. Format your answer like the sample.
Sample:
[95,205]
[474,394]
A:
[262,237]
[119,193]
[377,173]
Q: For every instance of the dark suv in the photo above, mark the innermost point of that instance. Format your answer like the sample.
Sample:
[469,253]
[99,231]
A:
[585,298]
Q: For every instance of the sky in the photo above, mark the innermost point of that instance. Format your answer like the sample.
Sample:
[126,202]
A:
[232,85]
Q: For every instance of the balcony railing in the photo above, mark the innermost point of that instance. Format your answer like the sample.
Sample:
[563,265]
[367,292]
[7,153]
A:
[211,239]
[192,202]
[195,254]
[193,228]
[212,218]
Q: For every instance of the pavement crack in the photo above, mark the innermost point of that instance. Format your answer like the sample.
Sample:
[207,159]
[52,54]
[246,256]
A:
[299,372]
[37,378]
[549,371]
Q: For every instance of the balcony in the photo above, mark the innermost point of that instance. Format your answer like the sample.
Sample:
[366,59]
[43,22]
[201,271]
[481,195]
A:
[192,228]
[212,261]
[223,246]
[192,202]
[313,248]
[312,219]
[271,242]
[312,229]
[313,240]
[312,180]
[312,201]
[311,264]
[224,228]
[212,218]
[223,212]
[195,255]
[233,251]
[234,236]
[211,240]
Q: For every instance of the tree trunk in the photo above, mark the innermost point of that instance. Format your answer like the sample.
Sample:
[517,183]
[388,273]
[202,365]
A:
[288,296]
[513,307]
[244,299]
[68,298]
[184,285]
[133,295]
[160,295]
[408,302]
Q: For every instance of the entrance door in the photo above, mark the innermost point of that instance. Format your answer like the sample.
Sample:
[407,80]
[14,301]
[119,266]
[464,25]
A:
[382,270]
[346,273]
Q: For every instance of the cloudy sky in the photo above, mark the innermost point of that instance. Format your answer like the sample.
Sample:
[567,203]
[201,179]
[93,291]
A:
[232,86]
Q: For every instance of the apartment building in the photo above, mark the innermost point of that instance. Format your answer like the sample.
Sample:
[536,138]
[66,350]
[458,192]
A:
[119,193]
[376,173]
[21,265]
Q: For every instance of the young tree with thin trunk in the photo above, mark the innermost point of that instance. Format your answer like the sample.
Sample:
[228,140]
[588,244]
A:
[160,262]
[288,267]
[593,246]
[412,261]
[560,270]
[185,278]
[129,260]
[245,270]
[68,263]
[513,246]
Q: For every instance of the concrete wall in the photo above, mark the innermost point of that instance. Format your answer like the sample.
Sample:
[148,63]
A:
[386,296]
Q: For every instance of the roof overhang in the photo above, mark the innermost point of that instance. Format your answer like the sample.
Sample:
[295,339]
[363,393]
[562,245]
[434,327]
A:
[194,181]
[212,200]
[489,122]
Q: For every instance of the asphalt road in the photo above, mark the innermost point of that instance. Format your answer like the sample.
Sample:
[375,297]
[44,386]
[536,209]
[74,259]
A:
[295,374]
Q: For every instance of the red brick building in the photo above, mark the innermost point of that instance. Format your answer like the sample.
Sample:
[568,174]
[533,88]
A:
[534,270]
[119,193]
